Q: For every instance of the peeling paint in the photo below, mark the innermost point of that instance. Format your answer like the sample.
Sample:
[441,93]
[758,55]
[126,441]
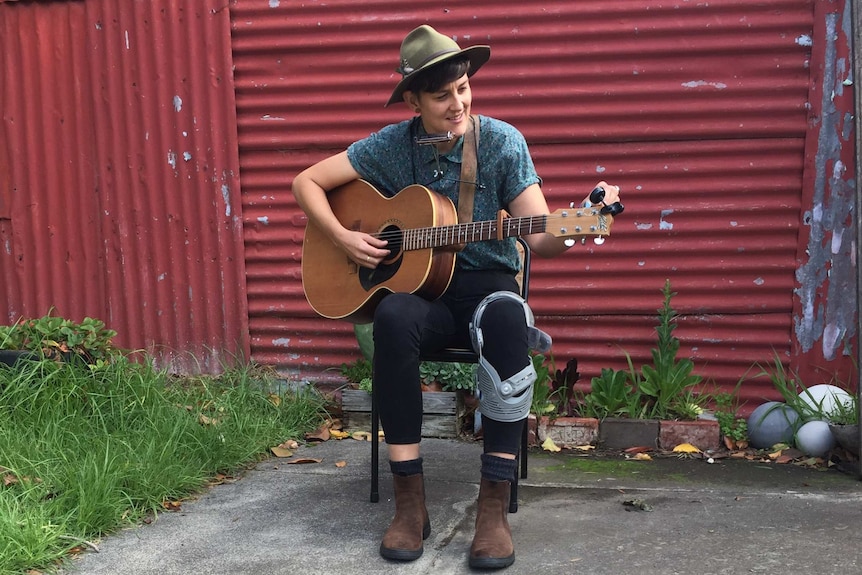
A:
[829,273]
[699,83]
[663,225]
[281,342]
[178,103]
[643,226]
[172,159]
[804,40]
[225,194]
[264,220]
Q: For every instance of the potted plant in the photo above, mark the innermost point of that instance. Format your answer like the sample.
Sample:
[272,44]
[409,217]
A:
[56,338]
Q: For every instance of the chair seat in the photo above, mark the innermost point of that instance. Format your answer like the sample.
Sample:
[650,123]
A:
[451,354]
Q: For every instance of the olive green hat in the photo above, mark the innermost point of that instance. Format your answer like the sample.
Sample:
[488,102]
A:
[425,47]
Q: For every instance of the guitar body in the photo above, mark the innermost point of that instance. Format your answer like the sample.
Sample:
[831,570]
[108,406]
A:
[337,288]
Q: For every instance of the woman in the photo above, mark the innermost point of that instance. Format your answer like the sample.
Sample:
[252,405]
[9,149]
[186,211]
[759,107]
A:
[435,85]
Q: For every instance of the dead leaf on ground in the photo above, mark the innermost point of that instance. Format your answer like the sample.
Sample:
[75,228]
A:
[340,464]
[320,434]
[274,399]
[279,451]
[637,505]
[205,420]
[549,445]
[361,435]
[289,444]
[338,434]
[171,505]
[302,460]
[638,449]
[641,457]
[584,447]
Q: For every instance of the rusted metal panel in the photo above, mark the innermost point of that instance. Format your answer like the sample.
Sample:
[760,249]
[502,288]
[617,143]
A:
[699,110]
[123,187]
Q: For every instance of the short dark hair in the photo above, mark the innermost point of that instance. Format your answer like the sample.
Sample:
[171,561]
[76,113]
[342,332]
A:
[435,77]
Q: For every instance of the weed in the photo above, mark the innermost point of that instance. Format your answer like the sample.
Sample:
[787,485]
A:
[85,449]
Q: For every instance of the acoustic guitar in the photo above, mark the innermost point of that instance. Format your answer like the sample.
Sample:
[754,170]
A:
[424,236]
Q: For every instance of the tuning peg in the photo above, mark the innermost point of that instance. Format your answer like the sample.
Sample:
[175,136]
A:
[599,240]
[614,209]
[569,242]
[597,195]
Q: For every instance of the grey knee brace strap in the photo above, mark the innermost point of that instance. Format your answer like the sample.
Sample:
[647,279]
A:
[507,400]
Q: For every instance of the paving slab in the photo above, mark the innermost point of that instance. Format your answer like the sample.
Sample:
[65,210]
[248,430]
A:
[578,513]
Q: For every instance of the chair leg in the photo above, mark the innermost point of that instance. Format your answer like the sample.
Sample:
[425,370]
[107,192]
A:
[522,463]
[525,444]
[375,448]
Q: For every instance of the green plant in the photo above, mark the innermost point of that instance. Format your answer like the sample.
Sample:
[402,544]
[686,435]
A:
[358,372]
[663,390]
[451,376]
[611,395]
[730,426]
[56,337]
[86,449]
[665,383]
[542,402]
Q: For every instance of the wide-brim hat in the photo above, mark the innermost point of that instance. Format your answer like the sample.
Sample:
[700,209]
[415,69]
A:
[424,47]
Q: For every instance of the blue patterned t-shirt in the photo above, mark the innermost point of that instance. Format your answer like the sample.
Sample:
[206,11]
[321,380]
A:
[391,160]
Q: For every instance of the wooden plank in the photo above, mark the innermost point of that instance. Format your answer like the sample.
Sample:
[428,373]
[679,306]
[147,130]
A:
[433,402]
[433,425]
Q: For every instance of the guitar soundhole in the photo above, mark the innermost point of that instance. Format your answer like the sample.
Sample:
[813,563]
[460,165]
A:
[395,237]
[387,269]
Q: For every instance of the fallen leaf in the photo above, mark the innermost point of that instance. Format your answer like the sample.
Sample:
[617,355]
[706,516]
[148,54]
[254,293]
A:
[584,447]
[642,457]
[783,459]
[274,399]
[361,435]
[340,464]
[171,505]
[305,460]
[320,434]
[337,434]
[549,445]
[336,424]
[289,444]
[686,448]
[206,420]
[9,479]
[281,452]
[637,505]
[638,449]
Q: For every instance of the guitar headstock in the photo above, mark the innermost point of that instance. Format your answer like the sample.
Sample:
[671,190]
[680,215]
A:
[579,222]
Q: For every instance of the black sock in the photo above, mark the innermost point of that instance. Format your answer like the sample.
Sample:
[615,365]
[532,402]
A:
[498,468]
[406,468]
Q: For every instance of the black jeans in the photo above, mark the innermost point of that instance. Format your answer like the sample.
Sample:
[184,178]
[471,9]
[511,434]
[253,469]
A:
[405,325]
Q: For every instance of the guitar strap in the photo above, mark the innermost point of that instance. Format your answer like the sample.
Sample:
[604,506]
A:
[467,187]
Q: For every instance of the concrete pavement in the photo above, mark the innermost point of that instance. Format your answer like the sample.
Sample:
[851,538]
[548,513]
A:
[575,516]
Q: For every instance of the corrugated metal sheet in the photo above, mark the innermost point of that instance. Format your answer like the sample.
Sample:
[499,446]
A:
[700,111]
[122,198]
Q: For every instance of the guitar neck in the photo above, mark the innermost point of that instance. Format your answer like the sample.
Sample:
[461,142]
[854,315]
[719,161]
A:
[439,236]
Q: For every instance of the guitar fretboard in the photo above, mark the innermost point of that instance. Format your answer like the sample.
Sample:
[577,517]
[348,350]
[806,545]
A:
[435,237]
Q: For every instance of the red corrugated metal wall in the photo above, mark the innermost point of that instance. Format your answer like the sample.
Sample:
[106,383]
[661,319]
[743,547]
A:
[120,190]
[700,111]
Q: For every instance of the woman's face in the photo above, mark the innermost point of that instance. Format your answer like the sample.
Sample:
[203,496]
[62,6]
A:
[446,110]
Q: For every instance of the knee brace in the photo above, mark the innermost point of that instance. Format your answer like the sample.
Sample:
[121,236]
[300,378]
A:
[508,400]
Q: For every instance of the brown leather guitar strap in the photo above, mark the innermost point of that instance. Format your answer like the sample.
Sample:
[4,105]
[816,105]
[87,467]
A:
[467,187]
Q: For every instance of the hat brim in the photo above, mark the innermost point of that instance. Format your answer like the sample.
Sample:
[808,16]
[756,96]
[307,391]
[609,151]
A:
[477,55]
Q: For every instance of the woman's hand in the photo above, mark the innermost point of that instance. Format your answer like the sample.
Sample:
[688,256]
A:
[365,249]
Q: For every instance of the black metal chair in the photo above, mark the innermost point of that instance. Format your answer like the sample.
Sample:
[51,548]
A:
[459,356]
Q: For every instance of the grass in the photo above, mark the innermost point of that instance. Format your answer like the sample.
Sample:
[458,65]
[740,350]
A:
[85,449]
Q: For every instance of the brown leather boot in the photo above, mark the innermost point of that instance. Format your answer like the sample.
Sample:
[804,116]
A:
[410,526]
[492,544]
